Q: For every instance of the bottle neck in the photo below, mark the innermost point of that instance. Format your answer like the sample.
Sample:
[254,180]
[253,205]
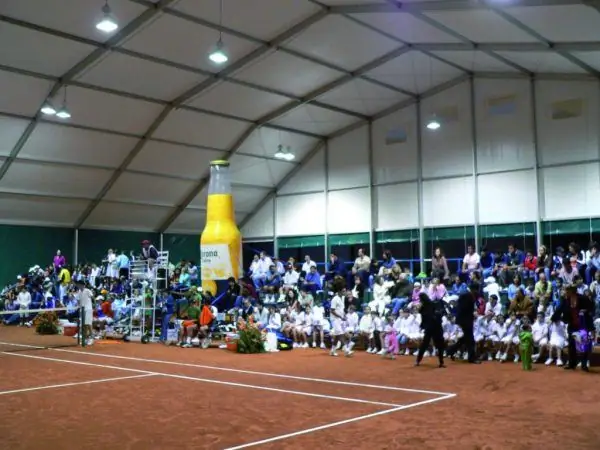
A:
[220,180]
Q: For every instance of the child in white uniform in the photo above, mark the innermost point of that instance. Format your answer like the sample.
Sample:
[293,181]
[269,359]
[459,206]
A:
[498,333]
[351,327]
[365,329]
[338,317]
[377,333]
[510,341]
[416,334]
[318,320]
[403,326]
[539,331]
[299,318]
[558,338]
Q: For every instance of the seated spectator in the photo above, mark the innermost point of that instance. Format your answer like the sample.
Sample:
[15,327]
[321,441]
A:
[576,256]
[290,278]
[493,305]
[361,268]
[261,315]
[544,263]
[308,263]
[356,294]
[401,293]
[336,267]
[568,271]
[312,281]
[513,288]
[521,305]
[513,264]
[272,278]
[278,266]
[529,265]
[253,266]
[542,292]
[592,264]
[487,262]
[259,275]
[439,265]
[437,290]
[381,299]
[471,261]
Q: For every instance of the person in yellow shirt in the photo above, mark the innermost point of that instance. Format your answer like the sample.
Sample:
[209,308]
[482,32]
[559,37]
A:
[64,278]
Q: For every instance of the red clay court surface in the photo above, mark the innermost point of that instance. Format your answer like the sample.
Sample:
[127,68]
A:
[133,396]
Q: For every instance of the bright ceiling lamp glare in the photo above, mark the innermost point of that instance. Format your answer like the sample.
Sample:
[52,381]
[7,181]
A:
[63,112]
[284,154]
[218,55]
[433,124]
[108,23]
[47,109]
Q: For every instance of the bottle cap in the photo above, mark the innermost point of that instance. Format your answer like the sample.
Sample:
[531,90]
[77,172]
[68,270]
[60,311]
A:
[220,162]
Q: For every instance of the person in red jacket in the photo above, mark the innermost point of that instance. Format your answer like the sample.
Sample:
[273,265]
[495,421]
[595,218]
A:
[529,265]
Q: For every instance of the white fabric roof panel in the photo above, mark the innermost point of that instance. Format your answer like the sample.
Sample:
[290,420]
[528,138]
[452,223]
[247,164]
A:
[239,100]
[187,42]
[150,111]
[59,143]
[137,76]
[63,181]
[262,20]
[59,55]
[10,130]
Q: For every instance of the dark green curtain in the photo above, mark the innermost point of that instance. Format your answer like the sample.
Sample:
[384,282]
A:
[93,244]
[182,246]
[27,246]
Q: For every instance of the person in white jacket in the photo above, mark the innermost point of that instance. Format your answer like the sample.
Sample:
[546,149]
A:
[23,300]
[381,298]
[540,336]
[366,329]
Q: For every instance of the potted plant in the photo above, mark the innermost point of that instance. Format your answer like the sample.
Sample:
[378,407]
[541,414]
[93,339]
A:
[251,339]
[46,323]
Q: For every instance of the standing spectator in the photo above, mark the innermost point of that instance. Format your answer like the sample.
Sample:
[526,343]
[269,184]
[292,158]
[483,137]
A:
[577,313]
[59,261]
[123,264]
[439,265]
[23,300]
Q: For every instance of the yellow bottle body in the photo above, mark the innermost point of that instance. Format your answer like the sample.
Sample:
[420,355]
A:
[220,243]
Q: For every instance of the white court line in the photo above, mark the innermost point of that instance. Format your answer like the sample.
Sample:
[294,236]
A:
[79,383]
[204,380]
[250,372]
[341,422]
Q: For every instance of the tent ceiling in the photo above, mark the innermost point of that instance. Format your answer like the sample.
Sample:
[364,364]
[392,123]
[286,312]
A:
[149,111]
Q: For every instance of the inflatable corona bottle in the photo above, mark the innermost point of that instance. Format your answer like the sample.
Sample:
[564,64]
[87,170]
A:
[221,240]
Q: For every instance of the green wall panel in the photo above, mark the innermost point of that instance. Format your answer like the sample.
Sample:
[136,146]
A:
[558,227]
[182,246]
[507,230]
[385,237]
[28,246]
[449,233]
[93,244]
[348,239]
[301,241]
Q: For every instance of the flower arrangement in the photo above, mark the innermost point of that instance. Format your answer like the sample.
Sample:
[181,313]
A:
[251,339]
[46,323]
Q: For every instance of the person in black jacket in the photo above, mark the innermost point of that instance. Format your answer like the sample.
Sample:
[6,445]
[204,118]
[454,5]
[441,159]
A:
[465,309]
[577,312]
[431,322]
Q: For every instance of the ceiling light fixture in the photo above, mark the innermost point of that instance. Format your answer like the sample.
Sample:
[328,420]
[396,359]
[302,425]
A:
[63,112]
[284,153]
[108,23]
[47,109]
[218,55]
[433,124]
